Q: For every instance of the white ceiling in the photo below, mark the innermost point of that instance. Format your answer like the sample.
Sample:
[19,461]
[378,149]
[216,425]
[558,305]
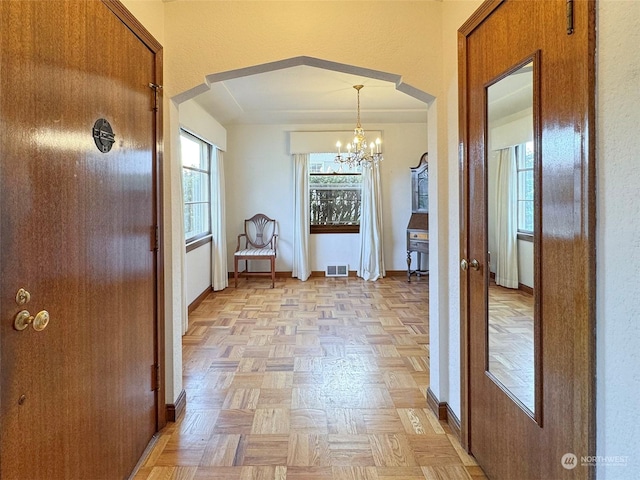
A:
[309,95]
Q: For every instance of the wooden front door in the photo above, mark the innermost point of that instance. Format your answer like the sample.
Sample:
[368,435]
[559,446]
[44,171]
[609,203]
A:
[534,421]
[77,398]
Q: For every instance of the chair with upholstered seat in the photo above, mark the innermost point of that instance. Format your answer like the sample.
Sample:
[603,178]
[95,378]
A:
[259,244]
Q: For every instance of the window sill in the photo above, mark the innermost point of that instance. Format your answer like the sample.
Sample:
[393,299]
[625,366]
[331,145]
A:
[198,242]
[527,237]
[334,229]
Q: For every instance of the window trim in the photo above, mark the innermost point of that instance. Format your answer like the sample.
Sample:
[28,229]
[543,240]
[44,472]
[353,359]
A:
[526,235]
[191,241]
[322,229]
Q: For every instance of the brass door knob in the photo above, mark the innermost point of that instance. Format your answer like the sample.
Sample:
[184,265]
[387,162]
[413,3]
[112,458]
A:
[23,320]
[41,321]
[465,264]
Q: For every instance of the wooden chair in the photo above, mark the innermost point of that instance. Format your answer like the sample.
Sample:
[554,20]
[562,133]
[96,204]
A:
[259,244]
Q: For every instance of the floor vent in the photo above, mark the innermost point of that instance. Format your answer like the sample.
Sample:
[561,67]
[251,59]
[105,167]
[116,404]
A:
[337,271]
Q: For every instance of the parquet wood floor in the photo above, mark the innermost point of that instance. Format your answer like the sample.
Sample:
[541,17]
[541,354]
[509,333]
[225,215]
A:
[511,353]
[317,380]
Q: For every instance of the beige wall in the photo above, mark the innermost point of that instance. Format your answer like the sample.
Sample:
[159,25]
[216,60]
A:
[205,37]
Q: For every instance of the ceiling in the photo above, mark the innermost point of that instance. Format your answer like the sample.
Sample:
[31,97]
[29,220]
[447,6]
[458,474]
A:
[309,95]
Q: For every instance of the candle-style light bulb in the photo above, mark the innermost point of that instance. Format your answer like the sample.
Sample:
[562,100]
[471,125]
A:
[378,142]
[371,147]
[338,144]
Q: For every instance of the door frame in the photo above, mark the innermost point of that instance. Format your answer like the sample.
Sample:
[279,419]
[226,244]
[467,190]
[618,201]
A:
[586,245]
[133,24]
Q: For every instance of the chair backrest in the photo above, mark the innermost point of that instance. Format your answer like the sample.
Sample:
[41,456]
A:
[260,230]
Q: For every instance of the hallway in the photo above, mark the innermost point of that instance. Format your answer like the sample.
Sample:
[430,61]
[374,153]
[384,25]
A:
[317,380]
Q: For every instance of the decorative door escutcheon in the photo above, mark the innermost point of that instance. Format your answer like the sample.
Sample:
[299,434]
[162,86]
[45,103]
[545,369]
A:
[103,135]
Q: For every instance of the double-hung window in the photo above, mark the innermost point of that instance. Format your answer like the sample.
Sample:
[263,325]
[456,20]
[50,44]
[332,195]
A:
[524,167]
[196,184]
[334,195]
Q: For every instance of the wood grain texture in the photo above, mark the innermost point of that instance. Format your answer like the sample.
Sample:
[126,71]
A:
[564,246]
[334,401]
[75,233]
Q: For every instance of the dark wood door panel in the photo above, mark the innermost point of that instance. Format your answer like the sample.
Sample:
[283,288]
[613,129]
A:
[506,441]
[75,232]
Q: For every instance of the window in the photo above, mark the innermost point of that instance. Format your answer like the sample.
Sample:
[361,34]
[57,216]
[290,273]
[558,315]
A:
[525,189]
[196,155]
[334,195]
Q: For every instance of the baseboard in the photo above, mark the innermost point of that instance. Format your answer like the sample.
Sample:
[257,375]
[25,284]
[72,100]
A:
[199,299]
[438,408]
[443,411]
[174,410]
[278,274]
[145,455]
[322,273]
[453,422]
[521,286]
[395,273]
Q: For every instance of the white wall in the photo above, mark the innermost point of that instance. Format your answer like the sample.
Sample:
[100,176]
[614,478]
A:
[259,178]
[618,237]
[197,271]
[197,262]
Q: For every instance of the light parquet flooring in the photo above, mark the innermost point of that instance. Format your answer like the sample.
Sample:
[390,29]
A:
[511,341]
[317,380]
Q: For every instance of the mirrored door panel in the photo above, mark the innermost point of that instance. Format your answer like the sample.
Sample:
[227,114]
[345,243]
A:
[511,235]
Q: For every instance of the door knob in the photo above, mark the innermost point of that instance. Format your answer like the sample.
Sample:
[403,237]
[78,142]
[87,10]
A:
[24,319]
[465,264]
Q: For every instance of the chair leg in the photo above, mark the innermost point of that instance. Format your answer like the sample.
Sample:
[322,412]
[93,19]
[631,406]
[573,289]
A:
[235,271]
[273,272]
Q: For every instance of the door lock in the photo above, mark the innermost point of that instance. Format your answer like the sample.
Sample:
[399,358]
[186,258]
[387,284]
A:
[22,297]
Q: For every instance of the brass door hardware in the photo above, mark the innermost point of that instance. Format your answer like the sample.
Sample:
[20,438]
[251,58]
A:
[473,264]
[22,297]
[24,319]
[41,321]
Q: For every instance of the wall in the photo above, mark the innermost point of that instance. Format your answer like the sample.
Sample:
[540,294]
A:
[618,238]
[197,272]
[444,289]
[259,178]
[197,262]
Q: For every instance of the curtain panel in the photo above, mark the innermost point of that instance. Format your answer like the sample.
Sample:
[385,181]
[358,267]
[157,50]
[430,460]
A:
[301,265]
[219,270]
[371,264]
[506,216]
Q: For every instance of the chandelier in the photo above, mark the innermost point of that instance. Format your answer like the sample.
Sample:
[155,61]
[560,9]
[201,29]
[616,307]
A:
[358,152]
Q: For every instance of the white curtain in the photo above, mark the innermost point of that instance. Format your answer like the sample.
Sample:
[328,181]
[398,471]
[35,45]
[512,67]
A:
[506,216]
[371,266]
[219,275]
[301,266]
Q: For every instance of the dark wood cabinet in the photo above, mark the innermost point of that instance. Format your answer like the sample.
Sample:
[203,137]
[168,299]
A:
[418,228]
